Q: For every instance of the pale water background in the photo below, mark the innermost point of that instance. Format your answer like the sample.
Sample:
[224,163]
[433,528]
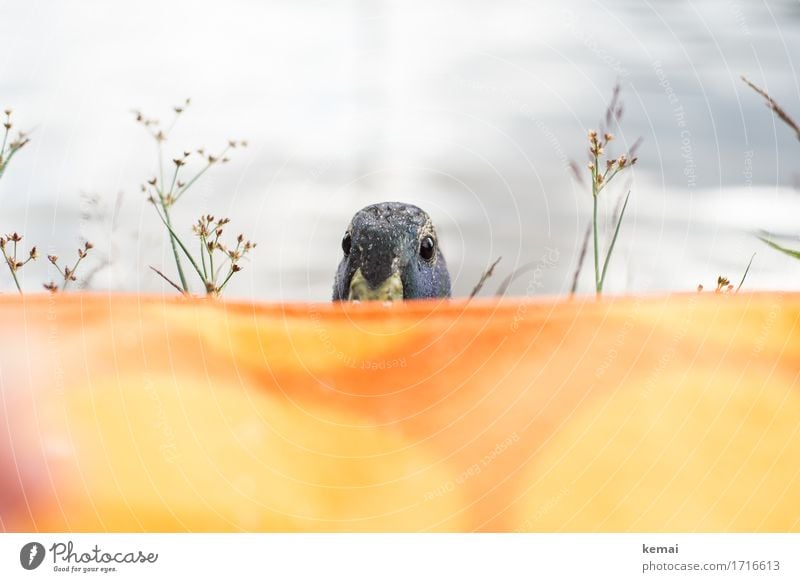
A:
[469,109]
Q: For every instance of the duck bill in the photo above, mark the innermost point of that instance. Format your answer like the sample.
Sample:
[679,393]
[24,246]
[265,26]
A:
[390,290]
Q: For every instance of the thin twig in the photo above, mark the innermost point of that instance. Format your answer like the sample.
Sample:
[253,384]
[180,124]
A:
[168,280]
[581,259]
[779,111]
[484,277]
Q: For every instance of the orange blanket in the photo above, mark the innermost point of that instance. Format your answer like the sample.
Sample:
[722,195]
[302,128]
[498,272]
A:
[129,413]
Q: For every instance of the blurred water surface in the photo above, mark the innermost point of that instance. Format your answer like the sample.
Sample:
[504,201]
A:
[472,110]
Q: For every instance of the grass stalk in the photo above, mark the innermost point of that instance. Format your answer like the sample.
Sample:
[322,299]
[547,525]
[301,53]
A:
[792,253]
[173,238]
[747,270]
[176,239]
[613,242]
[598,289]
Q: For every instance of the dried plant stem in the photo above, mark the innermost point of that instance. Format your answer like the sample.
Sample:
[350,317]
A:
[773,105]
[167,197]
[163,195]
[65,273]
[67,279]
[484,277]
[168,280]
[9,148]
[199,174]
[581,259]
[11,266]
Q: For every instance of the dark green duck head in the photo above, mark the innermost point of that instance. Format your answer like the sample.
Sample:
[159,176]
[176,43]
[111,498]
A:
[391,252]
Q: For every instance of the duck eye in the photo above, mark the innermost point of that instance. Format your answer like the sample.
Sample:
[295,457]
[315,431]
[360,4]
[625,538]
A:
[427,248]
[347,241]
